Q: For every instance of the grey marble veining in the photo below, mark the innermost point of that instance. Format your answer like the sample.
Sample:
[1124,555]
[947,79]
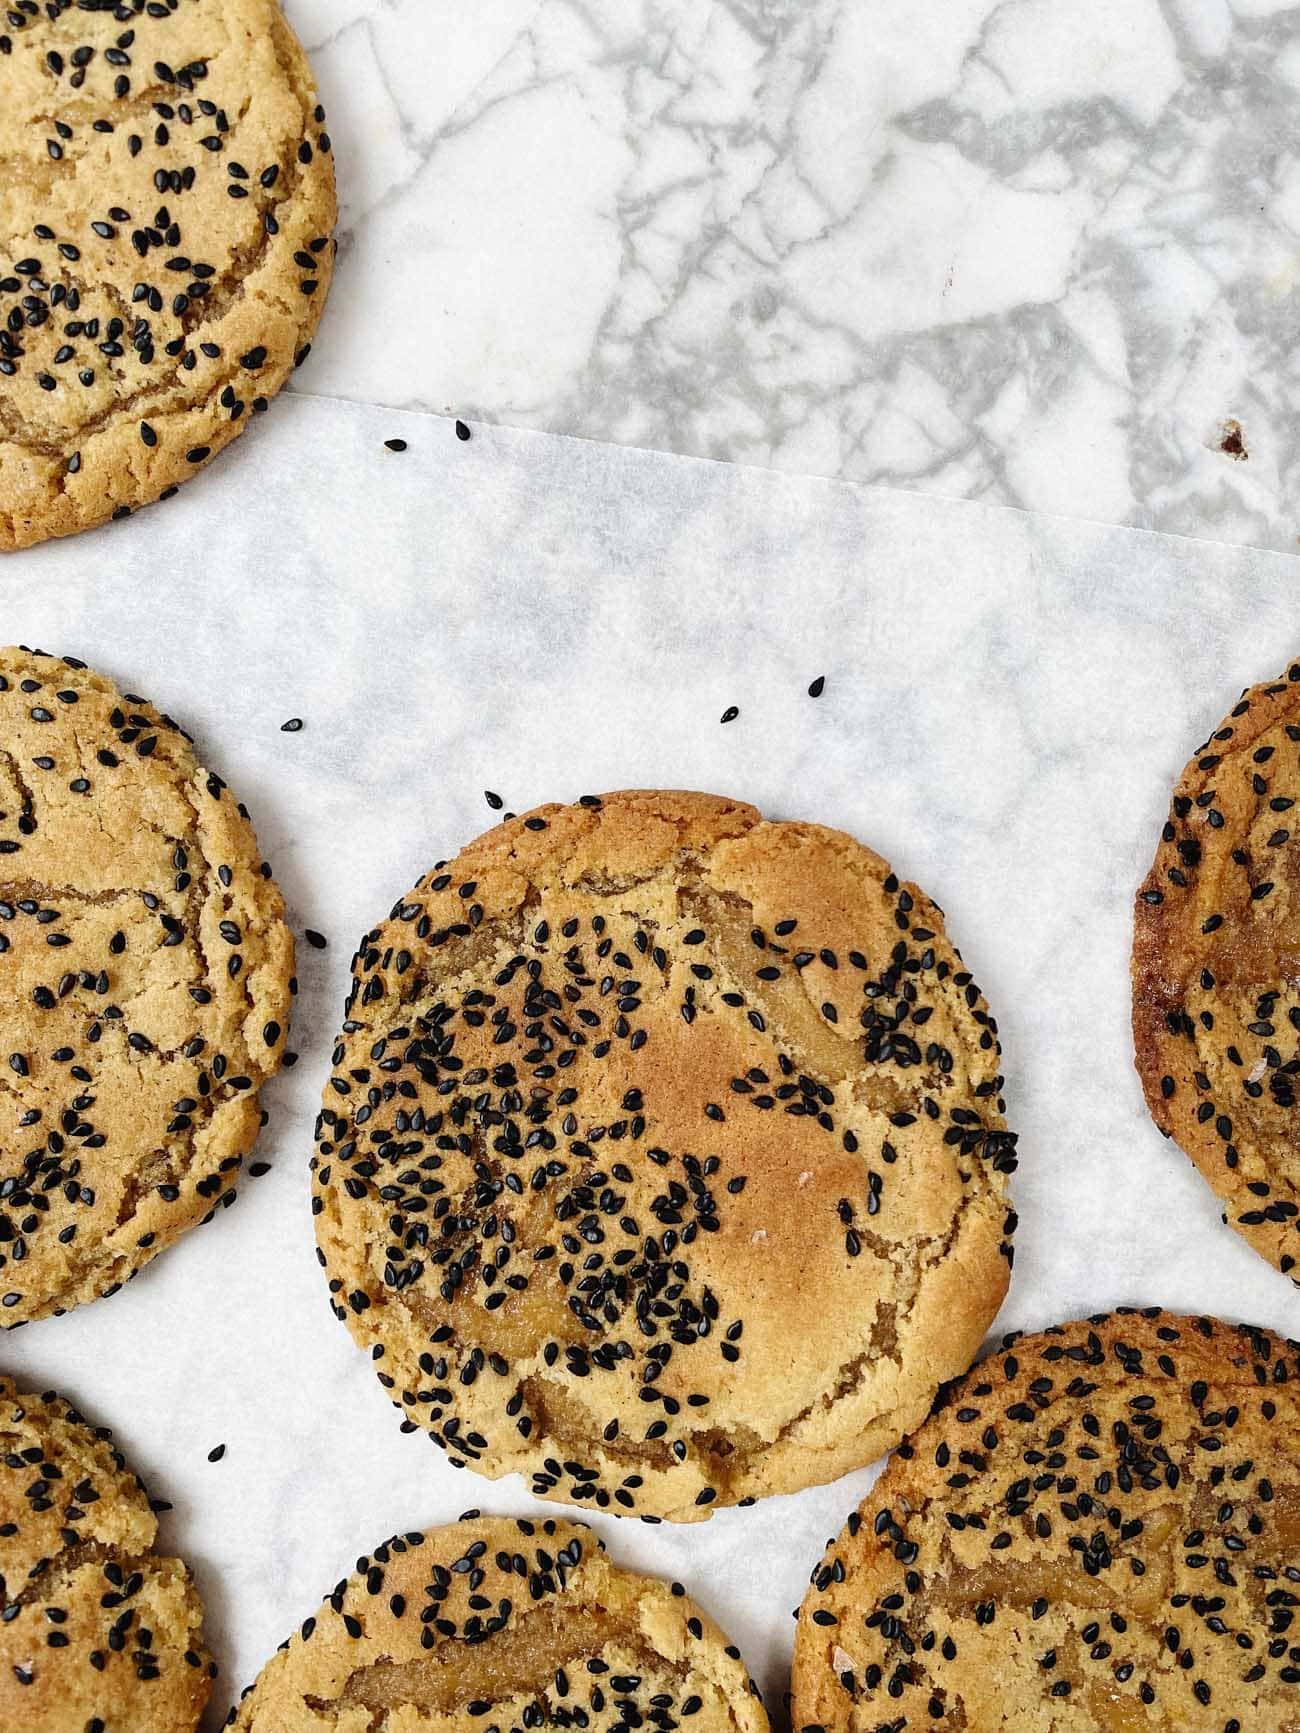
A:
[1040,252]
[1008,700]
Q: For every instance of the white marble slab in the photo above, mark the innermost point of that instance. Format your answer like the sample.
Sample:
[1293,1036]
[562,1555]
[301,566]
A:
[1007,702]
[1028,251]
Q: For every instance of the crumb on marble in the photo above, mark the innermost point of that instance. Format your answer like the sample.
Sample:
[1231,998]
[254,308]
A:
[1232,443]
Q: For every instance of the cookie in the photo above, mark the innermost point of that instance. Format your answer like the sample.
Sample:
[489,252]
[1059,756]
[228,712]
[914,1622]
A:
[145,983]
[1216,987]
[166,214]
[663,1158]
[96,1630]
[491,1623]
[1098,1531]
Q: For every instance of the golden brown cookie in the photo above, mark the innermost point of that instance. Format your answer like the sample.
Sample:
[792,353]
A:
[663,1158]
[145,983]
[96,1630]
[506,1625]
[166,209]
[1098,1531]
[1216,968]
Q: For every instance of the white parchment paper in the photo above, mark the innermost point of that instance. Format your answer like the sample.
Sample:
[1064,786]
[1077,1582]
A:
[1007,702]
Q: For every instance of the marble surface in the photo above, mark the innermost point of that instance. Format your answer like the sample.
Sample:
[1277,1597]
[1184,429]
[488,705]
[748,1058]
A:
[1008,699]
[1041,252]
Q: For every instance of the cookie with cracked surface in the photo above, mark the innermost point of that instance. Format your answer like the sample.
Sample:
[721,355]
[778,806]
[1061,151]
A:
[1216,999]
[165,245]
[492,1622]
[145,983]
[663,1158]
[96,1629]
[1098,1531]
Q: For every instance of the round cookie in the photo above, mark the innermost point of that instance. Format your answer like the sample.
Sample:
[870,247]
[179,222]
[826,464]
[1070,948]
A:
[663,1157]
[165,245]
[1216,986]
[145,984]
[1098,1531]
[492,1623]
[96,1630]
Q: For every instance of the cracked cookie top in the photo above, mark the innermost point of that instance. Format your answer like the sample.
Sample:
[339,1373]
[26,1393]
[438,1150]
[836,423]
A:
[145,982]
[96,1630]
[512,1625]
[1098,1531]
[663,1158]
[1216,968]
[166,212]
